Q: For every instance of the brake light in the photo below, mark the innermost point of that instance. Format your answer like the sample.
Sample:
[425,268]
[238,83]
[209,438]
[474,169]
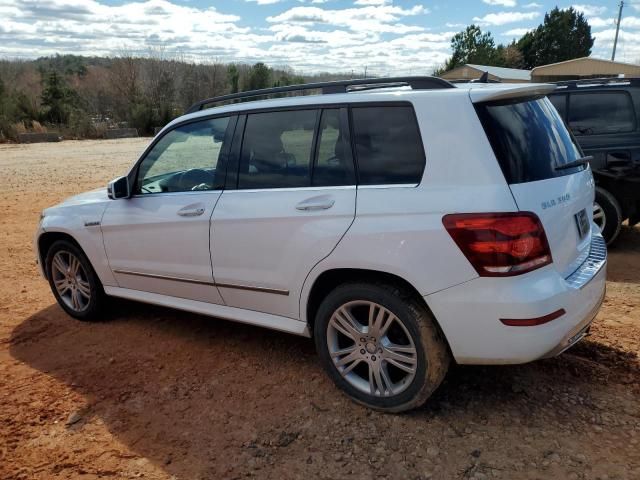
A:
[500,244]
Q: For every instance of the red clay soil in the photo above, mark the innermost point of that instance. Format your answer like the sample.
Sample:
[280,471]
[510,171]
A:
[159,394]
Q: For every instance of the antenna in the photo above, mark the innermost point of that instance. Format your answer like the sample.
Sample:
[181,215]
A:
[615,41]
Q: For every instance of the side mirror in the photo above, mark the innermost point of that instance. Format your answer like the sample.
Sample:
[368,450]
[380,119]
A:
[118,188]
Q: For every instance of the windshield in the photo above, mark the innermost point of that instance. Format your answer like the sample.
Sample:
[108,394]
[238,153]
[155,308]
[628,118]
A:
[529,139]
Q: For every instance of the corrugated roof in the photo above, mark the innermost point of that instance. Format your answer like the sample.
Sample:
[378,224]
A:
[502,72]
[588,60]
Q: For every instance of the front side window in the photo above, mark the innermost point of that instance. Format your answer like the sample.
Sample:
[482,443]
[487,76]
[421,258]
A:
[277,150]
[601,113]
[388,145]
[185,159]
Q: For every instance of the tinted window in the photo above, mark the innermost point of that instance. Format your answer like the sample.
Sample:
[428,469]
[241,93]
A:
[184,159]
[560,102]
[334,164]
[388,145]
[602,112]
[277,149]
[529,139]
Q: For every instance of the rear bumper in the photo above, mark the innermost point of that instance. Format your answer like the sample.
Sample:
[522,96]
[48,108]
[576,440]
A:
[470,313]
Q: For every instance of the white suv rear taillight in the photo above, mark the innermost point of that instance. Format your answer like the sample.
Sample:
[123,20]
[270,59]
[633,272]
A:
[500,244]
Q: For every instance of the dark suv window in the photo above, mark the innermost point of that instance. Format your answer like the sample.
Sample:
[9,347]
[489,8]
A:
[528,138]
[601,112]
[388,145]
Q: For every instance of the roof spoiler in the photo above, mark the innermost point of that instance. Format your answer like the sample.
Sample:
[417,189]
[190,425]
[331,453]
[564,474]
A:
[483,94]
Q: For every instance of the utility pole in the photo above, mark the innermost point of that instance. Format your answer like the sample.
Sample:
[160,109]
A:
[615,41]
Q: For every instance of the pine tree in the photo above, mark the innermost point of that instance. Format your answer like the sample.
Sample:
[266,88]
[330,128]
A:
[58,99]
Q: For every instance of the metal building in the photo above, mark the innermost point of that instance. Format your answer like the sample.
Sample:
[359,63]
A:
[586,67]
[470,72]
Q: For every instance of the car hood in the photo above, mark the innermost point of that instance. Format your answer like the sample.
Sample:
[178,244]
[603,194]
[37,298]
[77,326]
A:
[93,201]
[86,198]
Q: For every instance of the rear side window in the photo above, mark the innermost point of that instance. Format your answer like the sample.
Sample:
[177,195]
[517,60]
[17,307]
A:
[388,145]
[601,113]
[529,139]
[277,149]
[334,162]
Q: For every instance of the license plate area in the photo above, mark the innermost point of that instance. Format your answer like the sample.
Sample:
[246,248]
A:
[582,222]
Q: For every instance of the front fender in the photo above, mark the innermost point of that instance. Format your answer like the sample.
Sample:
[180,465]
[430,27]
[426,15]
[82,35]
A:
[83,225]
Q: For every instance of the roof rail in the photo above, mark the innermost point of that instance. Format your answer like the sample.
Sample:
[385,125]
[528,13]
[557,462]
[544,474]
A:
[339,86]
[599,81]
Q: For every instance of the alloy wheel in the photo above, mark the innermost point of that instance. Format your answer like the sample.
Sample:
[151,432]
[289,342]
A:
[70,280]
[371,348]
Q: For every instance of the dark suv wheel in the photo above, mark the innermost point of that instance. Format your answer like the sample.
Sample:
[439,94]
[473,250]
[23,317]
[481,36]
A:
[380,345]
[73,281]
[607,214]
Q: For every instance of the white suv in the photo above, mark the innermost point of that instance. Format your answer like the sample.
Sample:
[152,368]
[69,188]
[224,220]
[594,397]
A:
[399,222]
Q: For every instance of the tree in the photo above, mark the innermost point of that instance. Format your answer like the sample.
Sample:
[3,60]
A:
[259,77]
[509,56]
[564,35]
[233,77]
[472,46]
[58,98]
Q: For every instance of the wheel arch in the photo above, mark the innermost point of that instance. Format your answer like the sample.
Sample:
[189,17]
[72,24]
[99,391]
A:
[91,247]
[46,240]
[329,279]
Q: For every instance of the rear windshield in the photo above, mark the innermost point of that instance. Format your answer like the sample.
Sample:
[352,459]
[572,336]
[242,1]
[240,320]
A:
[529,139]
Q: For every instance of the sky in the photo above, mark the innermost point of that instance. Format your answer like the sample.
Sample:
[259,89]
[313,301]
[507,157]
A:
[381,37]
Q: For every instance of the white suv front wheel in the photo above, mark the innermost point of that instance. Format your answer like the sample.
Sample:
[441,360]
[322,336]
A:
[73,281]
[380,345]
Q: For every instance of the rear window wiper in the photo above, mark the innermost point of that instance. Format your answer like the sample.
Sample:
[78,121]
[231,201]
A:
[576,163]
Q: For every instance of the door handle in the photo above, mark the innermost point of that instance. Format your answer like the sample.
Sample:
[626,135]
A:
[192,212]
[315,204]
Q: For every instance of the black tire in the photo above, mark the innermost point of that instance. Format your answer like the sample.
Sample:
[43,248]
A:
[93,309]
[432,359]
[613,217]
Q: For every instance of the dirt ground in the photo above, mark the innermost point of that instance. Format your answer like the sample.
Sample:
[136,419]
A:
[159,394]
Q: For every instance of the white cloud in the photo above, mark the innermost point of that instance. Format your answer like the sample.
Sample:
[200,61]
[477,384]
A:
[503,18]
[630,22]
[264,2]
[516,32]
[374,19]
[599,22]
[372,2]
[502,3]
[628,45]
[385,38]
[532,5]
[590,10]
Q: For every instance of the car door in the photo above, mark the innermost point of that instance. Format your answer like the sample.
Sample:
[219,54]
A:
[292,199]
[158,240]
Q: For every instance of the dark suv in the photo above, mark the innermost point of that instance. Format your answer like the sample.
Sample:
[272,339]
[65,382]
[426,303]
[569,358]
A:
[603,116]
